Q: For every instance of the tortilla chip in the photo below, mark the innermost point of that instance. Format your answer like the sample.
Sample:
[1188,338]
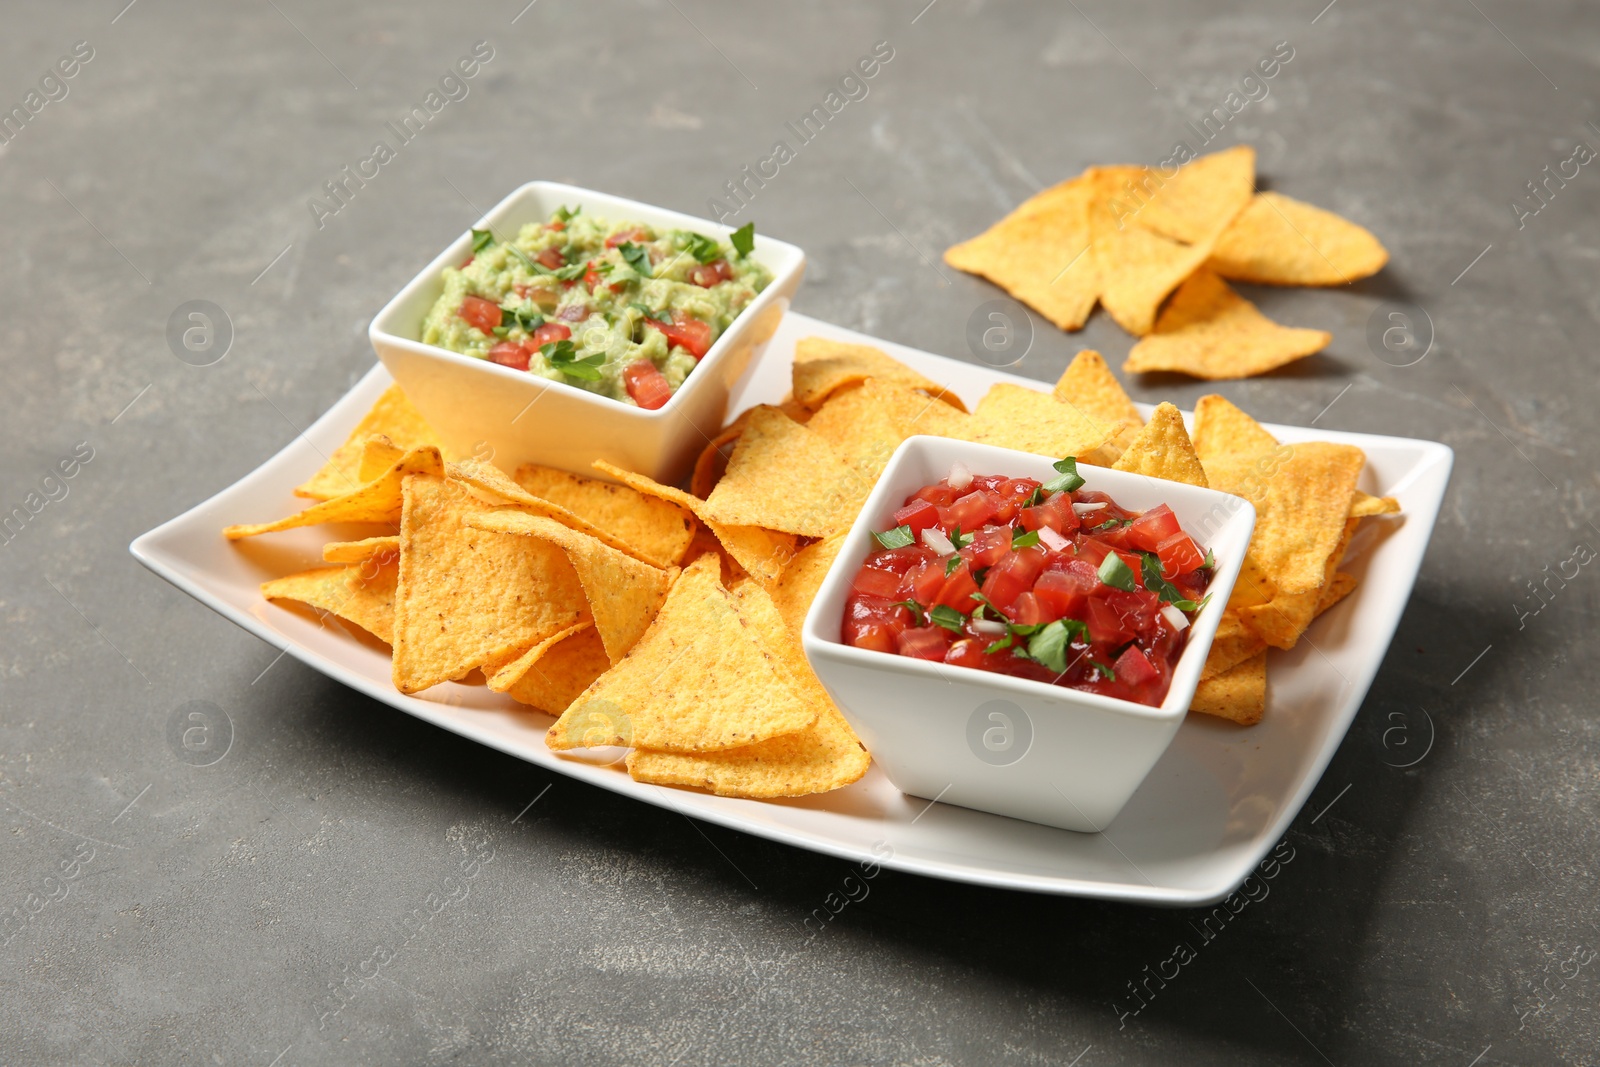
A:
[1203,197]
[785,477]
[1088,385]
[623,593]
[824,756]
[823,366]
[1040,254]
[1238,694]
[567,667]
[1282,619]
[363,596]
[1235,642]
[360,551]
[1220,429]
[762,553]
[801,579]
[699,680]
[651,529]
[1364,504]
[1163,450]
[394,417]
[469,597]
[1015,416]
[1280,241]
[378,500]
[712,463]
[1209,331]
[1302,501]
[1341,586]
[1137,268]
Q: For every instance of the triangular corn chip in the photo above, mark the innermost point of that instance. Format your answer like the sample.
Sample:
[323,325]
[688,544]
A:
[376,501]
[1088,385]
[823,366]
[700,680]
[1137,268]
[1238,694]
[654,530]
[1015,416]
[801,579]
[784,477]
[393,416]
[1163,450]
[1281,241]
[1203,197]
[1222,430]
[360,551]
[623,593]
[362,595]
[1209,331]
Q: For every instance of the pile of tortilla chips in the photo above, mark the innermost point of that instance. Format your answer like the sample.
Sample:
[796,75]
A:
[667,621]
[1130,237]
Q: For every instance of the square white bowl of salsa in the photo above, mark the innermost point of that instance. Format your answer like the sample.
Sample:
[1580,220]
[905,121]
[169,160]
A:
[651,294]
[1015,743]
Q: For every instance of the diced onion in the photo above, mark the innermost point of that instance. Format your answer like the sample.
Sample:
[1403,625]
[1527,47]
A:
[935,539]
[989,626]
[1052,540]
[1088,509]
[960,475]
[1175,618]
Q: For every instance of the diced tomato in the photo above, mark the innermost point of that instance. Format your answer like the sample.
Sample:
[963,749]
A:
[465,263]
[1133,669]
[513,354]
[873,582]
[1153,527]
[971,511]
[919,515]
[637,236]
[900,560]
[939,495]
[1012,491]
[1030,610]
[923,642]
[1063,591]
[555,225]
[957,590]
[708,274]
[548,332]
[1056,513]
[551,259]
[690,334]
[1105,625]
[480,313]
[923,582]
[1179,555]
[1137,609]
[1135,564]
[988,546]
[1012,576]
[646,384]
[967,652]
[1093,551]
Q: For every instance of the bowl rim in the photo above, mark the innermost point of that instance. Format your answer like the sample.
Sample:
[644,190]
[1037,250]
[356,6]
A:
[790,261]
[991,459]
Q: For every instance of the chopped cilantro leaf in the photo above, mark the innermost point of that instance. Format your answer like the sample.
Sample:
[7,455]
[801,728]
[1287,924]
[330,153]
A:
[638,257]
[1109,674]
[701,247]
[654,316]
[525,315]
[481,239]
[565,213]
[523,258]
[1049,645]
[1023,539]
[1109,524]
[743,239]
[951,564]
[959,539]
[985,602]
[948,617]
[564,358]
[1069,478]
[1209,563]
[899,537]
[918,612]
[1035,498]
[1116,574]
[1157,583]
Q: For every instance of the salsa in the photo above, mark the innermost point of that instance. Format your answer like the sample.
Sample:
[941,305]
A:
[1048,581]
[621,309]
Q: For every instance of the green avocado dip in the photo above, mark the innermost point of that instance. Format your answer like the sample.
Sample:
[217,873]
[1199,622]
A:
[620,309]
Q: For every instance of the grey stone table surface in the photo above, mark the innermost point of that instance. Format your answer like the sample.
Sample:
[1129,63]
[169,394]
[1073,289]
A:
[159,912]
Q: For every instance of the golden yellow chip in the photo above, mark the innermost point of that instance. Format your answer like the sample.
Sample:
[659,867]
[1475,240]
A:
[469,597]
[698,681]
[762,553]
[1015,416]
[801,579]
[1220,430]
[378,454]
[1040,254]
[393,416]
[1088,385]
[1336,590]
[785,477]
[623,593]
[1163,450]
[376,501]
[1235,642]
[568,666]
[823,366]
[866,424]
[1280,241]
[1203,197]
[1365,504]
[1283,618]
[712,463]
[1301,504]
[654,530]
[1238,694]
[362,595]
[1209,331]
[1137,268]
[360,551]
[824,756]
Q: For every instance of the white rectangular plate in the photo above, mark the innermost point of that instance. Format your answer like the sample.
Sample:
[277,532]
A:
[1213,805]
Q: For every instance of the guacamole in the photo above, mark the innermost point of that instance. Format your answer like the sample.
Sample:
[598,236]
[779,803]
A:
[620,309]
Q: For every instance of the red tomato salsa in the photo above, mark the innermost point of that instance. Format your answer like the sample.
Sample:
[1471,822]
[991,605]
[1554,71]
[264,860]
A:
[1047,581]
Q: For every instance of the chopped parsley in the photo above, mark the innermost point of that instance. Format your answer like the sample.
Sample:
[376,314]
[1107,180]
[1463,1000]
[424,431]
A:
[899,537]
[655,316]
[948,617]
[565,213]
[951,564]
[959,539]
[1105,671]
[526,315]
[918,613]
